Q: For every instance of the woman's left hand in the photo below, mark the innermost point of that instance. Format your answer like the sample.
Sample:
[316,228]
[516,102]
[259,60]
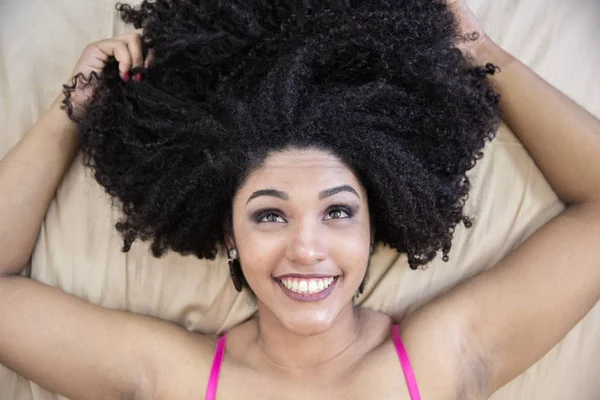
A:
[471,38]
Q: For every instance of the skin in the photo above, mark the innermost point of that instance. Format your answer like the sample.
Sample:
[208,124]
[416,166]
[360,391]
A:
[302,235]
[465,344]
[332,344]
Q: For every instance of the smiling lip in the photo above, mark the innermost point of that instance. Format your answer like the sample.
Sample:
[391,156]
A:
[307,297]
[300,276]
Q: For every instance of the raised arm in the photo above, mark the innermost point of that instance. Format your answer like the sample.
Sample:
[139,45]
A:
[29,176]
[63,343]
[508,317]
[32,170]
[562,137]
[535,296]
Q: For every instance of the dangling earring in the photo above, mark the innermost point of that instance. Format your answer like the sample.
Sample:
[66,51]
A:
[235,270]
[361,288]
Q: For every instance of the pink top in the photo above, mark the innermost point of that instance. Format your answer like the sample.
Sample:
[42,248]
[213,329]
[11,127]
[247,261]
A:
[409,375]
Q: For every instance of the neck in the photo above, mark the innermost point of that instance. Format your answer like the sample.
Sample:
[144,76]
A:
[289,351]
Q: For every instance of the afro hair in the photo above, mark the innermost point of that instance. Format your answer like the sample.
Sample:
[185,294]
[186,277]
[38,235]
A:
[380,84]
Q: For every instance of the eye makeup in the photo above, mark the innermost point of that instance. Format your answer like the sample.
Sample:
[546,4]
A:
[277,216]
[260,214]
[348,210]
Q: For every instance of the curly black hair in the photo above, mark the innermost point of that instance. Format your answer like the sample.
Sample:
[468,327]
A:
[378,83]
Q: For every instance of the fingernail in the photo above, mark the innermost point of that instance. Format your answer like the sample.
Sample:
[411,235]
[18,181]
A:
[125,76]
[138,77]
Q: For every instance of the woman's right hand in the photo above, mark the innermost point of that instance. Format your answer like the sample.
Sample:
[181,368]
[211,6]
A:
[126,49]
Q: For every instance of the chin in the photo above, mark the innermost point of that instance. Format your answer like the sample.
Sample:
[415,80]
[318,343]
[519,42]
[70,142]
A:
[304,317]
[309,322]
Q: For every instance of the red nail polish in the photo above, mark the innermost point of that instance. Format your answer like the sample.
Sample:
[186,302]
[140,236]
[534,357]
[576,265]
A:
[126,76]
[138,77]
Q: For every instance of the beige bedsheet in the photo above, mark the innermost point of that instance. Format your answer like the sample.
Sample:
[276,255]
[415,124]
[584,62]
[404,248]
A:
[78,249]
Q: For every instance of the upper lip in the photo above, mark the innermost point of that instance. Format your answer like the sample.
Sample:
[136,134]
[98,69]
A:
[303,276]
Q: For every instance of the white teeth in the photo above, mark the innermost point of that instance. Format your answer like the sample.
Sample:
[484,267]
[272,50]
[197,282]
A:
[307,286]
[303,286]
[312,286]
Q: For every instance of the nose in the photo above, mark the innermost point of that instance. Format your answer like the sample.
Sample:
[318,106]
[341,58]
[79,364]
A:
[307,244]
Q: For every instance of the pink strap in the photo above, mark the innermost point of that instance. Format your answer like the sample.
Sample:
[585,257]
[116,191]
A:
[213,381]
[409,374]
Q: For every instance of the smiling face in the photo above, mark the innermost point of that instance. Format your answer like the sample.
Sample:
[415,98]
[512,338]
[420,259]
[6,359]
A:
[301,227]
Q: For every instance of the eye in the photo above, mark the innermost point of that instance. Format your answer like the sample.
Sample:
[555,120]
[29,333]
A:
[269,216]
[338,212]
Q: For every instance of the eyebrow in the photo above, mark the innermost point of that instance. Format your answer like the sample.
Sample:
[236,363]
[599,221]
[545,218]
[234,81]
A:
[322,194]
[268,192]
[337,189]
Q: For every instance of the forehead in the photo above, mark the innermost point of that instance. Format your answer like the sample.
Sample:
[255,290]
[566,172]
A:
[301,170]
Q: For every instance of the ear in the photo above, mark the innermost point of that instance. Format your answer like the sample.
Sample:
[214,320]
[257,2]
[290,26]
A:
[228,237]
[229,242]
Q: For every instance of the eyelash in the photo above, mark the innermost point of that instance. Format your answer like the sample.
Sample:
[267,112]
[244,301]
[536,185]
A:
[261,214]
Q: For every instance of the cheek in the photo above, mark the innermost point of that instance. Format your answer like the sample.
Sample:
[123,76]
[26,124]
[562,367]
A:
[352,239]
[260,250]
[351,254]
[351,251]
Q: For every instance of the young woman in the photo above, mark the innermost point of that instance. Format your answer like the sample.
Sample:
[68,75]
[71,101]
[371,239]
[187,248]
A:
[298,136]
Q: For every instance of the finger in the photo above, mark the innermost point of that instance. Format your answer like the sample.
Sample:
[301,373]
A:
[150,54]
[96,64]
[133,41]
[149,59]
[95,58]
[453,6]
[119,50]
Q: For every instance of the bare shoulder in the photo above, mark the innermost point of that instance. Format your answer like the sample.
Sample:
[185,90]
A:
[438,346]
[434,352]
